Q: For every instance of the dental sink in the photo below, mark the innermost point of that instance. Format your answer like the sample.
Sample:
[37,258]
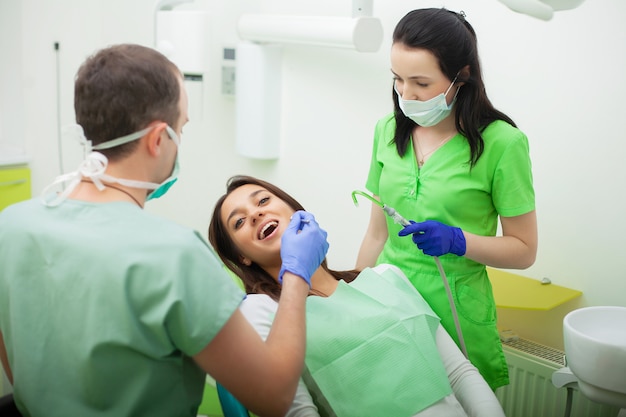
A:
[595,349]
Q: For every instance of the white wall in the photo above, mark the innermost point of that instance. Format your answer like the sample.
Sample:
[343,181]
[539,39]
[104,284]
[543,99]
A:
[561,81]
[11,97]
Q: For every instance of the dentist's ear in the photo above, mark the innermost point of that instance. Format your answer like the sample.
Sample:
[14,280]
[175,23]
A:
[463,75]
[153,138]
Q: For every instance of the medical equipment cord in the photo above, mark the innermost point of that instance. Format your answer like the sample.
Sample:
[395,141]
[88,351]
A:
[58,88]
[397,218]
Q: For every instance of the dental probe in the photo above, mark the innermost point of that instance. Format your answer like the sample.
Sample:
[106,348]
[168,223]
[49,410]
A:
[397,218]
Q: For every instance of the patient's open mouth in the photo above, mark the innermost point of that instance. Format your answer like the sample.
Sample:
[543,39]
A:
[267,230]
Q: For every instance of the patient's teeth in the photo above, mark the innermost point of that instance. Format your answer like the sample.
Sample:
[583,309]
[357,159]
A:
[267,226]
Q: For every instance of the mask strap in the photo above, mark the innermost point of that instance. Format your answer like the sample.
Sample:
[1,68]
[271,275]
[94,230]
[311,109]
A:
[122,140]
[451,84]
[76,131]
[92,167]
[144,185]
[172,135]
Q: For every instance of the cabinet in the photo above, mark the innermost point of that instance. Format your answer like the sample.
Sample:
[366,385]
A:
[515,291]
[14,185]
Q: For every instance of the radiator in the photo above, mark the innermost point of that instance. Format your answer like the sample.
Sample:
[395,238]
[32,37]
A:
[531,392]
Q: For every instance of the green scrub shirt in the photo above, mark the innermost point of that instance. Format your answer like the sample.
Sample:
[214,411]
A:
[102,307]
[447,190]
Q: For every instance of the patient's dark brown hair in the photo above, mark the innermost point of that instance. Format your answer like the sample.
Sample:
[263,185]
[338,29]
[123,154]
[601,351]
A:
[255,279]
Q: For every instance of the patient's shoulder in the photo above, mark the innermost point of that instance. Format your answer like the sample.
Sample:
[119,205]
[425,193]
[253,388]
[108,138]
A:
[258,304]
[259,310]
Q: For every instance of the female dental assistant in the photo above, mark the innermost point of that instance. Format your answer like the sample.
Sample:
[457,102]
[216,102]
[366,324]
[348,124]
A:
[454,165]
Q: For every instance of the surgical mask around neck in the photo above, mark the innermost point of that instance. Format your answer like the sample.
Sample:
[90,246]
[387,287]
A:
[94,165]
[167,184]
[430,112]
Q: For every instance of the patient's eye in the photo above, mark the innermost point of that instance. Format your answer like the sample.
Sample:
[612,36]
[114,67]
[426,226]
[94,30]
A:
[263,201]
[238,223]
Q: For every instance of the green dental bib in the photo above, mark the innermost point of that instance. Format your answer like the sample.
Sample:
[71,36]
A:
[371,348]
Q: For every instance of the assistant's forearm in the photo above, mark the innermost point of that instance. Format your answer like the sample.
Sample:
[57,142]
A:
[369,252]
[500,251]
[374,240]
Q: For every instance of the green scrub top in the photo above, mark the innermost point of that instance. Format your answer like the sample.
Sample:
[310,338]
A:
[102,307]
[447,190]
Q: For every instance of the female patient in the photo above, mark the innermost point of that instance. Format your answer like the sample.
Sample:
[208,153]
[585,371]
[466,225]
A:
[374,346]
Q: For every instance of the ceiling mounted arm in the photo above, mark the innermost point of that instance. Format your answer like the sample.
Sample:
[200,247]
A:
[541,9]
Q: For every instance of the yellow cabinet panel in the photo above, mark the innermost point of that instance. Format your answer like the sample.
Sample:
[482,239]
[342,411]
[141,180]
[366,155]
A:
[515,291]
[14,185]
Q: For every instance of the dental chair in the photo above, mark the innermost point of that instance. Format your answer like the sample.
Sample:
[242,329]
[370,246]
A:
[231,407]
[8,407]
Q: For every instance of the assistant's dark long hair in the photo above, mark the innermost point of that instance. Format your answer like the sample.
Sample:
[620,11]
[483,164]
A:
[255,279]
[452,40]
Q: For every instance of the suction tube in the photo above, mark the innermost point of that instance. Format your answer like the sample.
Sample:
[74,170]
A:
[397,218]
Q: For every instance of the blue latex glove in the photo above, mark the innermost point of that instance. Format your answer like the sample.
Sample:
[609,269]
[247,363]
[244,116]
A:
[435,238]
[303,247]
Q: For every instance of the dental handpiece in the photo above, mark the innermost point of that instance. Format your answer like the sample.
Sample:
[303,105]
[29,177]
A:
[397,218]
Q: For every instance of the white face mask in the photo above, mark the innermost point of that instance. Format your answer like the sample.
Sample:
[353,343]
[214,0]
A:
[430,112]
[94,166]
